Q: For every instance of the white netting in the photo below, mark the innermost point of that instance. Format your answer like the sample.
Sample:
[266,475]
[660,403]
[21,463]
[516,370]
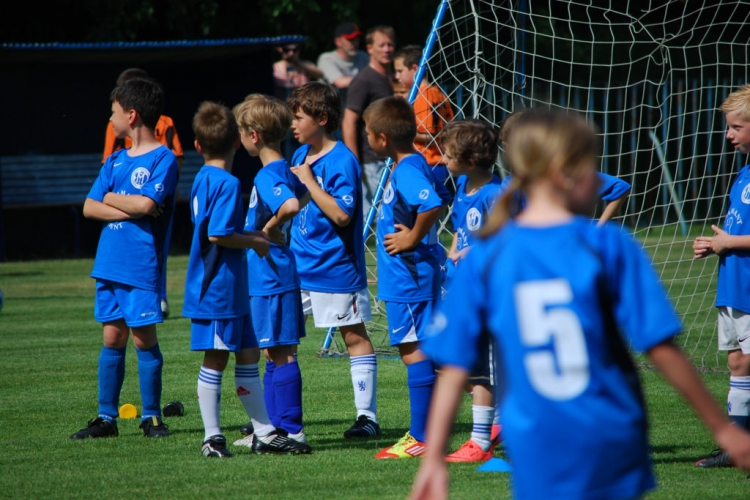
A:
[651,75]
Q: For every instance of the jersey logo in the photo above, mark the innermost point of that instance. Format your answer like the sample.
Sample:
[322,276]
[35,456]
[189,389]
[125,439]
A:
[388,195]
[195,206]
[319,179]
[253,198]
[423,194]
[277,191]
[159,187]
[746,195]
[117,164]
[348,199]
[139,177]
[473,219]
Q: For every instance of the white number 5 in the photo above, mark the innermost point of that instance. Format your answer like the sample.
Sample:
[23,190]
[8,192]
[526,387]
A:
[559,369]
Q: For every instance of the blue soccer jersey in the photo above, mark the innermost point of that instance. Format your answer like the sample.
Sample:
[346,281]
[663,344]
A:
[216,282]
[331,258]
[133,252]
[412,276]
[574,422]
[611,187]
[733,288]
[469,211]
[277,271]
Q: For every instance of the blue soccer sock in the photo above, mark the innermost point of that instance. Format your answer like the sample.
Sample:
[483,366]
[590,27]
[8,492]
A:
[738,401]
[150,362]
[287,388]
[421,379]
[268,393]
[111,376]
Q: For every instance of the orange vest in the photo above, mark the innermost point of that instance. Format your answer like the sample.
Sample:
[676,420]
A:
[433,112]
[164,132]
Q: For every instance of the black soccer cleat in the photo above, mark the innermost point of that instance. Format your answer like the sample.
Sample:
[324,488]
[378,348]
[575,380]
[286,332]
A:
[364,427]
[717,458]
[247,429]
[154,428]
[281,444]
[216,447]
[97,428]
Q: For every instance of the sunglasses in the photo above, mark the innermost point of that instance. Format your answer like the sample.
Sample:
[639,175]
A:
[291,49]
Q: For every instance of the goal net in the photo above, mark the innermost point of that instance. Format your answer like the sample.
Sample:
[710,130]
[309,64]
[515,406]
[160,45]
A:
[651,74]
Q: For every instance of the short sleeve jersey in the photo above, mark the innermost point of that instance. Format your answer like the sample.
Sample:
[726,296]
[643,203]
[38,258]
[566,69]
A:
[733,288]
[414,275]
[433,111]
[331,258]
[554,299]
[469,212]
[216,282]
[276,272]
[611,188]
[164,132]
[366,87]
[133,252]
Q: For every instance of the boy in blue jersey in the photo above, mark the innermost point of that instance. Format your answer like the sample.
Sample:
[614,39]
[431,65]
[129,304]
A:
[471,148]
[409,255]
[732,245]
[327,241]
[275,303]
[216,286]
[134,196]
[572,404]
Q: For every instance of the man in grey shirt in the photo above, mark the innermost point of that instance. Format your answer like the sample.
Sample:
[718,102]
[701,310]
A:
[340,66]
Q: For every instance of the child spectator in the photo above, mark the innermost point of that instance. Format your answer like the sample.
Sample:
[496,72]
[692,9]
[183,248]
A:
[275,303]
[470,151]
[216,285]
[134,195]
[732,245]
[327,241]
[166,133]
[408,255]
[431,108]
[552,289]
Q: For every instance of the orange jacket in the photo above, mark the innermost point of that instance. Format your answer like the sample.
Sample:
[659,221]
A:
[164,133]
[433,112]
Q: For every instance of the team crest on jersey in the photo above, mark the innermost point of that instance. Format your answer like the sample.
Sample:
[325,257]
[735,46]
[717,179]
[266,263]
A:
[388,195]
[139,177]
[253,198]
[473,219]
[423,194]
[348,199]
[277,191]
[746,195]
[319,179]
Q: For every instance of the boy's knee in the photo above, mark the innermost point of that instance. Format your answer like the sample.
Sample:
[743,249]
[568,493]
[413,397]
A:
[739,363]
[216,360]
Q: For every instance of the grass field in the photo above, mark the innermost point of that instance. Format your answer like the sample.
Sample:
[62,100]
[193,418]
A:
[49,346]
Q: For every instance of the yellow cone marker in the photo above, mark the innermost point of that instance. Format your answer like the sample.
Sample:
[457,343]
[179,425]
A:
[128,411]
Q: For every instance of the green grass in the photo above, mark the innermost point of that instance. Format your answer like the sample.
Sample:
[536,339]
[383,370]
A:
[49,345]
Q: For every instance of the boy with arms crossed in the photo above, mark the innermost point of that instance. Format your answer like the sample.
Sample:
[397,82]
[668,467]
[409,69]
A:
[732,245]
[408,255]
[327,241]
[216,284]
[134,195]
[275,303]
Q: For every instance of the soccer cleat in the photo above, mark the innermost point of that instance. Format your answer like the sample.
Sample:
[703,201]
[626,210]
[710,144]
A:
[470,451]
[279,443]
[406,447]
[97,428]
[164,308]
[215,446]
[364,427]
[717,458]
[247,429]
[154,428]
[245,441]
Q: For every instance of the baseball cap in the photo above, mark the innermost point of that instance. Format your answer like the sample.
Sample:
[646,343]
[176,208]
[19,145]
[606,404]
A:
[347,30]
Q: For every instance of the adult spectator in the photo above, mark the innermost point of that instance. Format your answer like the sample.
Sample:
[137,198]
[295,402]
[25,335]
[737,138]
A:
[290,71]
[373,82]
[340,66]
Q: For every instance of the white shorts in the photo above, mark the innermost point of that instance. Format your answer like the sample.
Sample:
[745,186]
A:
[337,309]
[734,330]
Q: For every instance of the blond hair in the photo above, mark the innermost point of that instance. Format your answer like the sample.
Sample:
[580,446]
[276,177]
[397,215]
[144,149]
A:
[267,115]
[541,143]
[738,102]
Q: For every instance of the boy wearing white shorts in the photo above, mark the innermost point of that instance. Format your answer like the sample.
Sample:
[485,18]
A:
[327,241]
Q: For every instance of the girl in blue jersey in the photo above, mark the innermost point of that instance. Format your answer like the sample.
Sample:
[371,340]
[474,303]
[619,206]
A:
[555,292]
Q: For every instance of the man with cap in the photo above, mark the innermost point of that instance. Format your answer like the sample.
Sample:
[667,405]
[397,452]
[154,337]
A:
[340,66]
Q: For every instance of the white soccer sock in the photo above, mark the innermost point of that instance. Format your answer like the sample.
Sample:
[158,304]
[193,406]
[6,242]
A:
[738,400]
[364,381]
[482,426]
[209,399]
[250,392]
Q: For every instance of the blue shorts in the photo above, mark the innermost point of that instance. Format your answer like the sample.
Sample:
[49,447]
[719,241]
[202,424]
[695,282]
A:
[277,319]
[230,334]
[408,322]
[115,301]
[483,371]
